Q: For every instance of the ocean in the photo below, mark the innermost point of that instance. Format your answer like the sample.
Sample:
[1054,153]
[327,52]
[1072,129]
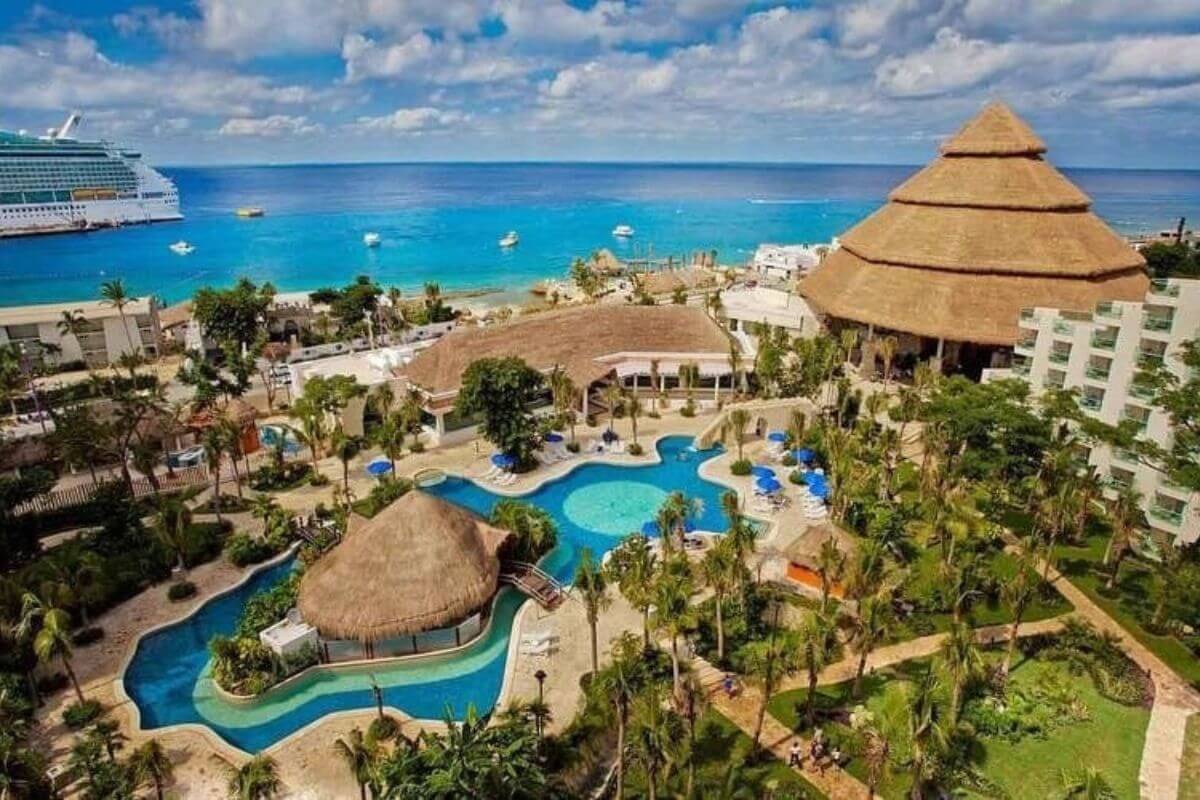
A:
[441,222]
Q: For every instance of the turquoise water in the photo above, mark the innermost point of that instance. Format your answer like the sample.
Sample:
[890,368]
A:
[440,222]
[594,507]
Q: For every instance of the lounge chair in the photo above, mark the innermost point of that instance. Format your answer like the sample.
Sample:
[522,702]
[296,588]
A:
[540,649]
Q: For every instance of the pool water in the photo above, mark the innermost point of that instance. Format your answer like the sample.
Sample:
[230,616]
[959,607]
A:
[594,506]
[270,434]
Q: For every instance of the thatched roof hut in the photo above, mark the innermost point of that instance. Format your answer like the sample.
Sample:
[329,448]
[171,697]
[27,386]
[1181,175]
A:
[805,550]
[419,564]
[985,230]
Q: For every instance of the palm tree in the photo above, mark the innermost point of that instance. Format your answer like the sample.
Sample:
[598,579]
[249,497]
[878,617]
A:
[876,757]
[633,409]
[674,615]
[53,638]
[737,421]
[257,779]
[689,376]
[632,566]
[871,626]
[563,393]
[612,398]
[382,398]
[618,683]
[390,436]
[345,447]
[818,637]
[312,426]
[592,585]
[831,564]
[73,323]
[655,731]
[1126,517]
[886,348]
[215,447]
[149,763]
[737,373]
[721,569]
[360,755]
[112,293]
[1017,593]
[963,660]
[411,412]
[926,733]
[767,663]
[171,524]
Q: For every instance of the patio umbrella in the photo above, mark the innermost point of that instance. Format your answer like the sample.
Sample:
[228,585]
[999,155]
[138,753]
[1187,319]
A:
[609,436]
[820,491]
[503,460]
[760,471]
[379,467]
[777,436]
[768,485]
[805,455]
[554,437]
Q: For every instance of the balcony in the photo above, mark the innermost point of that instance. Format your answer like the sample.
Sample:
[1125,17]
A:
[1063,327]
[1098,372]
[1164,288]
[1027,314]
[1141,391]
[1168,515]
[1102,341]
[1060,356]
[1140,421]
[1021,368]
[1123,455]
[1157,323]
[1108,310]
[1091,402]
[1120,481]
[1149,358]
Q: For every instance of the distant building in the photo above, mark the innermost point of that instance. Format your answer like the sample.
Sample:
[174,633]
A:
[746,307]
[1099,353]
[103,337]
[787,262]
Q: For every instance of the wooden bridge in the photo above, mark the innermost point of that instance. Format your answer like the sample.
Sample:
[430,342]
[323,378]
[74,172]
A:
[533,581]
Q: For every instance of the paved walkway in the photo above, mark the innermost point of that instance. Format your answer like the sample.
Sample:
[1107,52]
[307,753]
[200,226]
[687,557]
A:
[1174,699]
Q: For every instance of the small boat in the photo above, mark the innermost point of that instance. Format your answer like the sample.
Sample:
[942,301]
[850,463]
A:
[371,239]
[182,248]
[249,211]
[623,231]
[510,239]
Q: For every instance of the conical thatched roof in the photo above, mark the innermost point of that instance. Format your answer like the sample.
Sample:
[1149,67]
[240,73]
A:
[805,550]
[985,230]
[421,563]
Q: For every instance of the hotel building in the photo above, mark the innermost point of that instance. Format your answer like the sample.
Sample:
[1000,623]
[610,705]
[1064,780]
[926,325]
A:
[104,337]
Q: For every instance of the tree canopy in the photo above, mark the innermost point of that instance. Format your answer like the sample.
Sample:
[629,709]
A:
[232,315]
[500,390]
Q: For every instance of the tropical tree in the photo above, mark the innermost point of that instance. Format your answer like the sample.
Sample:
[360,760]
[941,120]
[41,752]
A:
[562,394]
[964,662]
[926,731]
[216,445]
[1017,593]
[618,683]
[257,779]
[533,528]
[871,625]
[722,571]
[613,398]
[592,585]
[767,663]
[673,614]
[500,391]
[113,294]
[1126,518]
[390,436]
[633,410]
[52,640]
[689,377]
[816,644]
[831,565]
[886,348]
[655,731]
[149,763]
[360,754]
[632,567]
[346,447]
[736,423]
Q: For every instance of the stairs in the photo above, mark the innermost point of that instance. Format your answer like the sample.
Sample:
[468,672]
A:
[532,581]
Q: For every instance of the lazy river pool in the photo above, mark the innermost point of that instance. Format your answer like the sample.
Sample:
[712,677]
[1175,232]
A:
[595,506]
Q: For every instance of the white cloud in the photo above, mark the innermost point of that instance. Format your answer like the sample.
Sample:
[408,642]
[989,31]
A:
[952,62]
[273,126]
[420,119]
[1153,58]
[365,59]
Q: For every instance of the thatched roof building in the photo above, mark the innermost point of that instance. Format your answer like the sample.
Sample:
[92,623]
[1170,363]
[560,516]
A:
[805,550]
[421,563]
[961,247]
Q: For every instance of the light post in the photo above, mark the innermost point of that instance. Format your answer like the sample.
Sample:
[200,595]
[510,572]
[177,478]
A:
[540,677]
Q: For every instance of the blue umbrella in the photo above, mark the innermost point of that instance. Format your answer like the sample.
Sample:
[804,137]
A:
[760,471]
[805,456]
[777,436]
[554,437]
[688,527]
[820,491]
[768,485]
[503,460]
[379,468]
[650,528]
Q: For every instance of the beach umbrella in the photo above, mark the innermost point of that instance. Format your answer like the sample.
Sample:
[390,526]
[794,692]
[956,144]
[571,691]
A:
[554,437]
[805,455]
[768,485]
[609,436]
[819,490]
[650,528]
[777,436]
[379,467]
[760,471]
[503,460]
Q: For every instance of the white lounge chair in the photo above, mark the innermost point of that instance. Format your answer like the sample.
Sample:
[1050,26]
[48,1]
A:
[539,650]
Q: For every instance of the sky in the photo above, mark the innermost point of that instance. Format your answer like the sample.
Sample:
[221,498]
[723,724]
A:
[1105,82]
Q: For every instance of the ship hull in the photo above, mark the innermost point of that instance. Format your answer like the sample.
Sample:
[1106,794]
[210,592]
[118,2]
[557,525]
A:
[84,216]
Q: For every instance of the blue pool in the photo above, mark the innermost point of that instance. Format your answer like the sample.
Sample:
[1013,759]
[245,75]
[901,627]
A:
[595,506]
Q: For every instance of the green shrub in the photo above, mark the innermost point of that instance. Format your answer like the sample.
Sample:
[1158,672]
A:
[181,590]
[741,467]
[688,409]
[86,636]
[80,715]
[635,449]
[202,541]
[573,447]
[270,478]
[789,459]
[317,479]
[383,729]
[382,495]
[243,550]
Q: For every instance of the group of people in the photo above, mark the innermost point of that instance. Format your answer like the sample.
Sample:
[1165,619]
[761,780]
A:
[818,750]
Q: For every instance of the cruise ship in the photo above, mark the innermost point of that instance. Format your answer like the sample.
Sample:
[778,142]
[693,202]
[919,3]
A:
[56,183]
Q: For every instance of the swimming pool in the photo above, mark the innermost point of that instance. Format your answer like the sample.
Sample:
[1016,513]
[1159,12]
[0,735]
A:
[595,506]
[269,435]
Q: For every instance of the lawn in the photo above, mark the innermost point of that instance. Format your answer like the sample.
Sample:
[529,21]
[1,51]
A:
[1110,739]
[1189,773]
[721,750]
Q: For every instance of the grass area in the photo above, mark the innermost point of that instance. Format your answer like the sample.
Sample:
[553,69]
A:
[1110,740]
[721,754]
[1189,773]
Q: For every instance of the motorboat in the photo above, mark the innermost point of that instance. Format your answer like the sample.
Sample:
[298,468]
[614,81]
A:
[182,248]
[371,239]
[623,231]
[248,212]
[510,239]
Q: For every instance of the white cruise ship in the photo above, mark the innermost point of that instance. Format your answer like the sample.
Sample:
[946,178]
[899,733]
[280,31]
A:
[55,183]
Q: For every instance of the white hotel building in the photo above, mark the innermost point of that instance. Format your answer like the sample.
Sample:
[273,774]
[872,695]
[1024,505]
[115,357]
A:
[1099,353]
[104,338]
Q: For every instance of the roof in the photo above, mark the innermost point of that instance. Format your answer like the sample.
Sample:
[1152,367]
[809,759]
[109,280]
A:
[178,314]
[236,410]
[668,280]
[806,548]
[986,229]
[573,338]
[421,563]
[52,312]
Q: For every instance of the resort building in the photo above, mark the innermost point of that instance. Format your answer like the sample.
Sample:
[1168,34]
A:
[104,334]
[1098,354]
[746,307]
[418,577]
[636,346]
[787,262]
[986,229]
